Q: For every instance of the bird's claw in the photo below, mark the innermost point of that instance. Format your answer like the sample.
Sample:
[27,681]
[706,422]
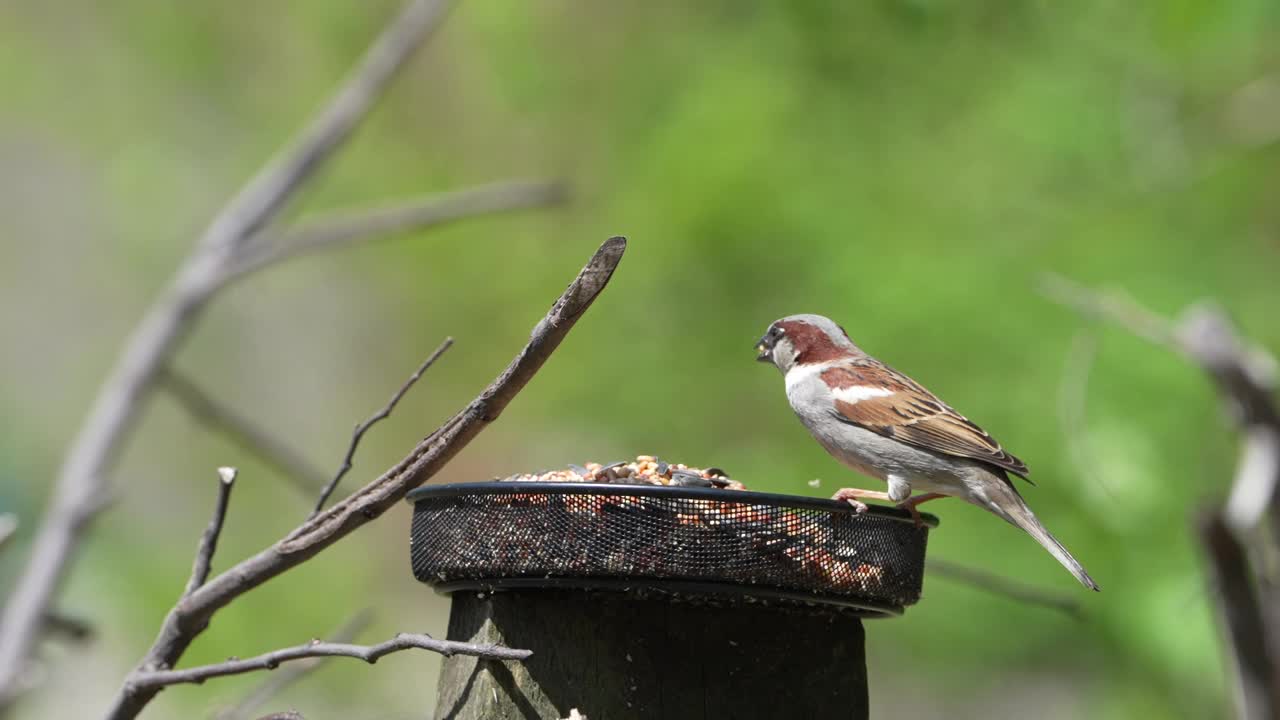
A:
[851,495]
[858,506]
[915,514]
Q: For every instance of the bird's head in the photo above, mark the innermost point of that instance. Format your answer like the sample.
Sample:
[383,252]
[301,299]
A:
[803,340]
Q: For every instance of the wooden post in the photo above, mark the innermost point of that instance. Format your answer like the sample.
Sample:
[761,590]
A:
[614,656]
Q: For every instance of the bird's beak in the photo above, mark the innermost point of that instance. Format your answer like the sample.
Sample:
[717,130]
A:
[763,353]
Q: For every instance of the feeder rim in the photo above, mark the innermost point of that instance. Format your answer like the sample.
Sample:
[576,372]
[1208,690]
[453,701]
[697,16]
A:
[516,487]
[863,608]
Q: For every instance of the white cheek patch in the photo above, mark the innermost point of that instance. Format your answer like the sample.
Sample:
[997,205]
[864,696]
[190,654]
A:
[855,393]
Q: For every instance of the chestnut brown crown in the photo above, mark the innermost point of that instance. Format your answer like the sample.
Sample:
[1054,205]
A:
[803,339]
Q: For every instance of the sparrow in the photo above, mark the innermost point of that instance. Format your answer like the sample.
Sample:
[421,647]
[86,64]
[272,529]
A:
[885,425]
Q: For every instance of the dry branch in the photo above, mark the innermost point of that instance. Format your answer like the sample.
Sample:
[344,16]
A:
[237,241]
[293,672]
[380,415]
[8,526]
[209,539]
[261,200]
[1112,307]
[1258,685]
[1005,587]
[72,628]
[242,431]
[156,679]
[191,615]
[82,480]
[1073,401]
[1245,377]
[370,224]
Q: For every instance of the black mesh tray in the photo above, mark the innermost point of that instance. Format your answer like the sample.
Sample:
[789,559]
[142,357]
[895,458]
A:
[693,542]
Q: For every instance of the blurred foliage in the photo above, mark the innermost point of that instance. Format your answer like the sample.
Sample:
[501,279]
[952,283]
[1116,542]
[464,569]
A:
[908,167]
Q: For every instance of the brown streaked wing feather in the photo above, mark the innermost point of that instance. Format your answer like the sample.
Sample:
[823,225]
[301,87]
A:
[915,416]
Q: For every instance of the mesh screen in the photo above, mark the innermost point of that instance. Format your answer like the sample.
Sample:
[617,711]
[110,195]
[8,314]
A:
[827,554]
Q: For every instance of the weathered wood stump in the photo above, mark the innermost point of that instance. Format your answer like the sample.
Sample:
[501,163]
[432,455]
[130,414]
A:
[615,656]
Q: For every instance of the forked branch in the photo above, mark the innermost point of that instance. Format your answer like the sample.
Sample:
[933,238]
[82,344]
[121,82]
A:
[380,415]
[191,615]
[1245,377]
[209,540]
[157,679]
[243,431]
[238,240]
[291,673]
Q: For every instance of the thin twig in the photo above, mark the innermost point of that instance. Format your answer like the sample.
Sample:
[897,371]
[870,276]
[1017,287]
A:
[374,419]
[156,679]
[293,672]
[263,197]
[1006,587]
[244,432]
[370,224]
[1258,689]
[1073,399]
[8,528]
[209,540]
[285,715]
[83,478]
[191,615]
[1111,306]
[70,627]
[1245,375]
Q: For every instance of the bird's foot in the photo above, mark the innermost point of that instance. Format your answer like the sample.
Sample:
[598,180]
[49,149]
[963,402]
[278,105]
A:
[853,495]
[915,514]
[910,506]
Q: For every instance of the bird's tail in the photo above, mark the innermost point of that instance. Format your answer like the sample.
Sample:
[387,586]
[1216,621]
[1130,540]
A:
[1007,503]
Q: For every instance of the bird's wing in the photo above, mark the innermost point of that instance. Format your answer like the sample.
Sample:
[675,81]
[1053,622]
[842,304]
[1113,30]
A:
[878,398]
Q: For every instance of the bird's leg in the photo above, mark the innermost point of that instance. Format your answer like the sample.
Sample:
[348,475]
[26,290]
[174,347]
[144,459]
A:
[899,488]
[851,495]
[910,505]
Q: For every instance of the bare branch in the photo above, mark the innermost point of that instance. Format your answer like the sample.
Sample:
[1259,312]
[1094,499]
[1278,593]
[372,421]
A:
[1256,478]
[68,626]
[1258,685]
[156,679]
[368,224]
[372,420]
[263,197]
[209,540]
[1112,307]
[286,715]
[1073,397]
[8,527]
[191,615]
[243,431]
[1006,587]
[293,672]
[82,479]
[1244,375]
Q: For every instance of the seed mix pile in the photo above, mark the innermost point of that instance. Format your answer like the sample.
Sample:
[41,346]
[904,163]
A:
[694,539]
[644,470]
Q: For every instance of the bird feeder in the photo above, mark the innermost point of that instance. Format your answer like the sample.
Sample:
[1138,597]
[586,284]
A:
[660,601]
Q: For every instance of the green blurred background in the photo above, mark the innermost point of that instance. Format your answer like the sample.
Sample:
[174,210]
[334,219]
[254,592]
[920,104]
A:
[908,167]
